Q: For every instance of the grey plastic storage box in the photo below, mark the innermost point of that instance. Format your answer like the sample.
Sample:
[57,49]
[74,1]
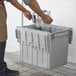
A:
[46,48]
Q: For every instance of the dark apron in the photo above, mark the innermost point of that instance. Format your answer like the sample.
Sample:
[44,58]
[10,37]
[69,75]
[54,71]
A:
[3,26]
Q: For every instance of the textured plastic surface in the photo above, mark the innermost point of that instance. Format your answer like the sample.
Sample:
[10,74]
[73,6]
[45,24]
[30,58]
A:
[43,48]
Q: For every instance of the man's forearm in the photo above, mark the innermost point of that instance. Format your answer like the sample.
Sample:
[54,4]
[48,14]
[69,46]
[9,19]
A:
[35,7]
[18,5]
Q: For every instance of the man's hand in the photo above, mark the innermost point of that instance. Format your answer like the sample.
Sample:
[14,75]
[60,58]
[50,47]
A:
[28,15]
[36,8]
[47,19]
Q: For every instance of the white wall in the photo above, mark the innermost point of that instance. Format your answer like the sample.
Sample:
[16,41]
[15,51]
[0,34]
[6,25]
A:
[63,13]
[13,20]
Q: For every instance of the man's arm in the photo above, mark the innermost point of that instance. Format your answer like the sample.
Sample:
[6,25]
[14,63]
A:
[36,8]
[21,8]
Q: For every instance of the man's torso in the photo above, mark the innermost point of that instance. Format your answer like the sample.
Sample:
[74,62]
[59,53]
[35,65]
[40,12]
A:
[3,27]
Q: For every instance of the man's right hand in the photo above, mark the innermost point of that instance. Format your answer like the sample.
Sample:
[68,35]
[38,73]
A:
[47,19]
[28,15]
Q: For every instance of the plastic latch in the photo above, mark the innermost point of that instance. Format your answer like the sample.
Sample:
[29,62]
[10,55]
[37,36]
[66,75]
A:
[52,36]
